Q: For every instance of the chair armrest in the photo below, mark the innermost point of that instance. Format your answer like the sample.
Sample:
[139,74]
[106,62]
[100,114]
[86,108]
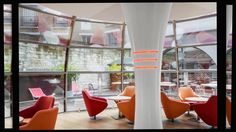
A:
[99,98]
[28,112]
[98,103]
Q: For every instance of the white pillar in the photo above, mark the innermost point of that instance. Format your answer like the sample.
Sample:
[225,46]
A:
[147,23]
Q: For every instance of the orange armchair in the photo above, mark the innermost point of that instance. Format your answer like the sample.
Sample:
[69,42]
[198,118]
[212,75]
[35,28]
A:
[185,92]
[228,110]
[128,91]
[173,108]
[42,120]
[127,108]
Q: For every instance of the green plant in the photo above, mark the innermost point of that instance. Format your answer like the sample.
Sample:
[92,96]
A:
[7,67]
[129,75]
[71,76]
[114,67]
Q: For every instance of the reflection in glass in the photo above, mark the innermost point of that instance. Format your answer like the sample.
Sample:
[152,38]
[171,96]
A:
[96,34]
[199,31]
[7,28]
[45,28]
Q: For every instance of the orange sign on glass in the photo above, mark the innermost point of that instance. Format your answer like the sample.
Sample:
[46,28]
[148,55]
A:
[145,60]
[146,67]
[146,52]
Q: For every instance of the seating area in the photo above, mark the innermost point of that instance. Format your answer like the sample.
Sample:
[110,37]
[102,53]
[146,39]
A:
[115,67]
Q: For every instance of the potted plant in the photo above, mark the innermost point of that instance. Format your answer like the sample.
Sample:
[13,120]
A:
[71,76]
[115,77]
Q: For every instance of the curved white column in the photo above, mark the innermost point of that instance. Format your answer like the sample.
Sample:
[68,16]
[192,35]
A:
[147,23]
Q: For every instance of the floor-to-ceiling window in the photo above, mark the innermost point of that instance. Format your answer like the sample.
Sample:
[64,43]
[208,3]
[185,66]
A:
[42,50]
[7,61]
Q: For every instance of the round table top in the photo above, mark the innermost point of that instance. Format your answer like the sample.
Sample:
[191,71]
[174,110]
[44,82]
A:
[213,85]
[119,97]
[167,84]
[197,99]
[21,119]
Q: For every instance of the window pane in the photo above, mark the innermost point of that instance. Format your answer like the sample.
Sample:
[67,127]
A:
[44,28]
[128,60]
[104,84]
[168,83]
[50,85]
[229,42]
[7,28]
[203,83]
[7,57]
[169,59]
[197,58]
[199,31]
[97,34]
[7,94]
[229,72]
[7,65]
[94,59]
[33,57]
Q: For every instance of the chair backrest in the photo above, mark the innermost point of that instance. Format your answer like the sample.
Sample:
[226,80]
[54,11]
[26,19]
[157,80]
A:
[208,111]
[228,110]
[164,102]
[87,98]
[185,92]
[36,92]
[42,120]
[45,102]
[128,91]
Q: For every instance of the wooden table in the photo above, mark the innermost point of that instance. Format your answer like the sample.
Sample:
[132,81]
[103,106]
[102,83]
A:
[118,98]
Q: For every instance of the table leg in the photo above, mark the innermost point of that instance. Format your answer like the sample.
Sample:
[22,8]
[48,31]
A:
[117,117]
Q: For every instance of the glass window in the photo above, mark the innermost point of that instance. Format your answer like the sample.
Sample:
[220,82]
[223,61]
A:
[169,37]
[229,72]
[7,93]
[49,84]
[229,42]
[98,84]
[84,59]
[198,31]
[7,65]
[197,58]
[33,57]
[43,28]
[92,34]
[169,59]
[7,28]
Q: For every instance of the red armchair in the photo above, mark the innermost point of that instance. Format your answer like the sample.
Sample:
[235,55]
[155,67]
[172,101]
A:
[44,102]
[94,105]
[207,111]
